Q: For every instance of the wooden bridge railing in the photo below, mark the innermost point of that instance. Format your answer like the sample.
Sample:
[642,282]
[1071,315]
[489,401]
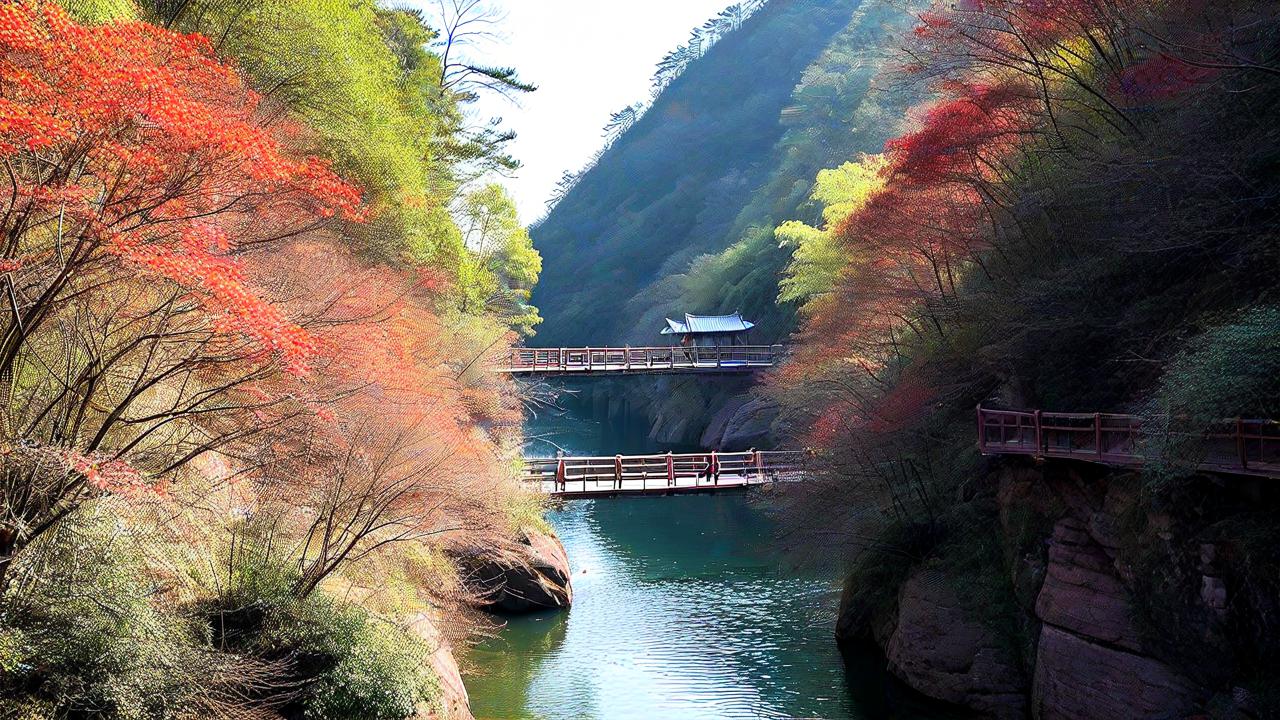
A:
[640,473]
[1247,446]
[640,359]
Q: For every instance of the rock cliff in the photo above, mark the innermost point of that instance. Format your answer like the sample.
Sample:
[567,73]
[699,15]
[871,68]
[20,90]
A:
[1086,562]
[530,577]
[453,702]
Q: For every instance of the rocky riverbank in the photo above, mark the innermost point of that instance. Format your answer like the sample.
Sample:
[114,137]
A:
[1116,608]
[533,575]
[529,576]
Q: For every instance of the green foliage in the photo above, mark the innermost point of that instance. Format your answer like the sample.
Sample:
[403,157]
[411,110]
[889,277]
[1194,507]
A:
[506,266]
[101,11]
[86,631]
[818,257]
[350,664]
[371,669]
[80,635]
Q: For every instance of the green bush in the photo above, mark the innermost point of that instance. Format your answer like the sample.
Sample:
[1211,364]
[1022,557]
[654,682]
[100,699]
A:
[87,631]
[345,662]
[83,638]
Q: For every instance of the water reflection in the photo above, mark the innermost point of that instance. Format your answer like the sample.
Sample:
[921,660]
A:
[682,611]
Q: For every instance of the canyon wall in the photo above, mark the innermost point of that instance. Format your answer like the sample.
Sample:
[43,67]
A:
[1116,609]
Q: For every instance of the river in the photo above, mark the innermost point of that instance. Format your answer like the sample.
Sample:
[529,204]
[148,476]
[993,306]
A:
[683,610]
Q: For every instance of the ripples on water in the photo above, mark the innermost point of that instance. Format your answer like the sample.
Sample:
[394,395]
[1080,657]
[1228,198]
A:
[680,611]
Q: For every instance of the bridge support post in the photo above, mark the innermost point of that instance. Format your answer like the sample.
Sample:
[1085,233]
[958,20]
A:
[560,479]
[1040,448]
[982,432]
[715,468]
[758,460]
[617,471]
[1097,434]
[671,469]
[1242,448]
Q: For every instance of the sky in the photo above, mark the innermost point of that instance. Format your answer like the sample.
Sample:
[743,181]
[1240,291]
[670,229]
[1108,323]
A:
[589,58]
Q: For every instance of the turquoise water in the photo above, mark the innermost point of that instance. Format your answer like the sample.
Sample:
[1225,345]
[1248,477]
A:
[682,610]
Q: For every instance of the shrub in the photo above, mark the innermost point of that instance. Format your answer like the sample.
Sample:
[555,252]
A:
[82,637]
[336,660]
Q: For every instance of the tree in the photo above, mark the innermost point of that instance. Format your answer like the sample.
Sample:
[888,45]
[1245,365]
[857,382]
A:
[140,173]
[464,23]
[817,256]
[503,249]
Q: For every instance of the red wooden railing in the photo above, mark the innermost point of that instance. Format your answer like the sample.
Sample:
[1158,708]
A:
[1244,446]
[551,361]
[668,472]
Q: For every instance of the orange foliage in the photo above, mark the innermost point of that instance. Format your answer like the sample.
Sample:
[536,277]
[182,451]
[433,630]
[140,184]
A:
[158,158]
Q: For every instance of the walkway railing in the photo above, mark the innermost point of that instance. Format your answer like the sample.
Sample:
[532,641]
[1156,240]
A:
[1243,446]
[660,474]
[588,360]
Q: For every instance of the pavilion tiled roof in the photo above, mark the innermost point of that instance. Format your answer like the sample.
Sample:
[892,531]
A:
[696,324]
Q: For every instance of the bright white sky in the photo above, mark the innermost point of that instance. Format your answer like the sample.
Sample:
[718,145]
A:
[589,58]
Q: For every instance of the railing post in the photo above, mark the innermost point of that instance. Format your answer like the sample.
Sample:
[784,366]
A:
[671,470]
[719,356]
[626,354]
[617,471]
[758,460]
[1040,448]
[589,359]
[1097,435]
[982,432]
[560,479]
[715,468]
[1241,447]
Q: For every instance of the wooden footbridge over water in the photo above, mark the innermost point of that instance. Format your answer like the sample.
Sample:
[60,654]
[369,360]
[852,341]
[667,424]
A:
[663,474]
[637,360]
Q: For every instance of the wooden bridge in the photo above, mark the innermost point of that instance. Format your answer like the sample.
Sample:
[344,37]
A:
[1239,447]
[665,474]
[678,359]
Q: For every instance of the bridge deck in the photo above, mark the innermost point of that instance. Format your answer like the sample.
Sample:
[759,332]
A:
[1241,446]
[592,361]
[666,474]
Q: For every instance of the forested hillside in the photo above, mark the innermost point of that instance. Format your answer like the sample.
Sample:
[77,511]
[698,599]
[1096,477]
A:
[245,426]
[681,211]
[1081,219]
[730,145]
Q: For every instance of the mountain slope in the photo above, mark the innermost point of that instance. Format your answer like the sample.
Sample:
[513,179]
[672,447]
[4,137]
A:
[672,187]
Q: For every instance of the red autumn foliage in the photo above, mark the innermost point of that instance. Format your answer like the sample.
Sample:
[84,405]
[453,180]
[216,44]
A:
[162,161]
[1160,77]
[955,135]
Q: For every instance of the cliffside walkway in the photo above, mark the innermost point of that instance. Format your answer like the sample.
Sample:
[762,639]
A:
[1239,447]
[665,474]
[638,360]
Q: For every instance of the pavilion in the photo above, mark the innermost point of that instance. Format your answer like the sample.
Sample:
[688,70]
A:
[709,330]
